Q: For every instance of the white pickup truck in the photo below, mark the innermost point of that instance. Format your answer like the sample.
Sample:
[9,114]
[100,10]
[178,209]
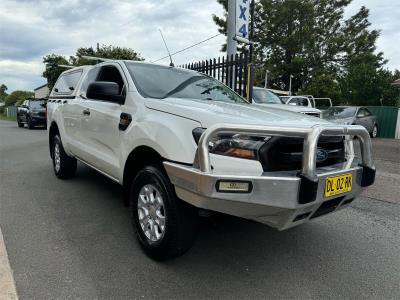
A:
[179,141]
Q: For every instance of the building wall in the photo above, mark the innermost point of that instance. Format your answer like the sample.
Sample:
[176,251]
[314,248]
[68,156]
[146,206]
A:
[42,92]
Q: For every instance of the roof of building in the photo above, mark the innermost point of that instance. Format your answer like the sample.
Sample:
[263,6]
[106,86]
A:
[396,82]
[39,87]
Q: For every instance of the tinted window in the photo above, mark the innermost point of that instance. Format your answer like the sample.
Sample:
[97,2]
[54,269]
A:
[111,74]
[299,101]
[161,82]
[265,96]
[363,112]
[67,82]
[339,112]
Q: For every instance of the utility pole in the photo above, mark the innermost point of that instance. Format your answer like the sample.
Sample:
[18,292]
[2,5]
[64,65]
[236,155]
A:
[231,45]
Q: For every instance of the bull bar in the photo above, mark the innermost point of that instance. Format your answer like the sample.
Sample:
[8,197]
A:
[276,198]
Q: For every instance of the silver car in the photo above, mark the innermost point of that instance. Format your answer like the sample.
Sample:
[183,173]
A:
[353,115]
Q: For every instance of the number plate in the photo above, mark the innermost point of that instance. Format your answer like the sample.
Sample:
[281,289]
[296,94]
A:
[338,184]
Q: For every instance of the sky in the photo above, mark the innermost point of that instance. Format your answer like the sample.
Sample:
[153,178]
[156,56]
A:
[31,29]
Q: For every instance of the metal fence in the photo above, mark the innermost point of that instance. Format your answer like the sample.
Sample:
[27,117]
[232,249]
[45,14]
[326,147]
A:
[234,71]
[387,120]
[11,111]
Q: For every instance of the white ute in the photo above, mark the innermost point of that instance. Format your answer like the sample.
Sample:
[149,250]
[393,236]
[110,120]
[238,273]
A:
[179,141]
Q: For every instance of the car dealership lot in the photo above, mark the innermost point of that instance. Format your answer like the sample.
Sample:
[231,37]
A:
[74,239]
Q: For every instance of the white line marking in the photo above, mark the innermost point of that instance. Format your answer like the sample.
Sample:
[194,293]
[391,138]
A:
[7,285]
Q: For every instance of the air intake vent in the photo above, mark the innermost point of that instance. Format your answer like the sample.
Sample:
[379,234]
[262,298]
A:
[286,154]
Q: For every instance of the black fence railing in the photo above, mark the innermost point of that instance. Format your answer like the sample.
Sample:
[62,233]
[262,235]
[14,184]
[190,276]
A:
[234,71]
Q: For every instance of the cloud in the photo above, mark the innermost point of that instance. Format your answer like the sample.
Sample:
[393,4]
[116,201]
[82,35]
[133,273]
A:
[31,29]
[384,16]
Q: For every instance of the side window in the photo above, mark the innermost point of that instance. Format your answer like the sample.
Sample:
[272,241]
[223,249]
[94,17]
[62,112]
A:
[67,82]
[361,113]
[90,78]
[367,112]
[111,73]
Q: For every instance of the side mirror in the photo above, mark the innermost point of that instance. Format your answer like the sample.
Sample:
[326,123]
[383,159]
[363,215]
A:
[105,90]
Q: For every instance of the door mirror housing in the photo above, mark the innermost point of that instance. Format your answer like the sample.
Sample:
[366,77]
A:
[106,91]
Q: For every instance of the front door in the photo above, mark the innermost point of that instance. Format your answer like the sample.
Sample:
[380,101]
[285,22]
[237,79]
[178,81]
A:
[99,124]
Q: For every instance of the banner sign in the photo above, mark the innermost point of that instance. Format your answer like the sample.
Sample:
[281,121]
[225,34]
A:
[242,19]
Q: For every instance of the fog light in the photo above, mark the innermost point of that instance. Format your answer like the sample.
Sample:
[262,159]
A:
[234,186]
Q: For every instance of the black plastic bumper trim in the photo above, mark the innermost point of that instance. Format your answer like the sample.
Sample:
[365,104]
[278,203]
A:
[368,176]
[308,189]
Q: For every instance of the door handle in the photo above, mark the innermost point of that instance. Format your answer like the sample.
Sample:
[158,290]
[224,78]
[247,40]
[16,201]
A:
[86,112]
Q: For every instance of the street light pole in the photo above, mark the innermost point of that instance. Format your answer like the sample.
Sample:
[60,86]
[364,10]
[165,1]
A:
[290,84]
[266,79]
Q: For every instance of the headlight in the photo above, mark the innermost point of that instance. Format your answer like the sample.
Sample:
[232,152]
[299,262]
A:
[233,144]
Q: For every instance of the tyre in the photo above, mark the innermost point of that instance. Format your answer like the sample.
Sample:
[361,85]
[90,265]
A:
[374,132]
[19,123]
[64,166]
[165,225]
[30,123]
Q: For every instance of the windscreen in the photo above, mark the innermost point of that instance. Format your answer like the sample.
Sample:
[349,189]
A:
[160,82]
[339,112]
[263,96]
[37,104]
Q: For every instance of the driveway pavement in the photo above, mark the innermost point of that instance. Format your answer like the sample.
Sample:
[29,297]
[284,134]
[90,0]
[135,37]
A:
[73,239]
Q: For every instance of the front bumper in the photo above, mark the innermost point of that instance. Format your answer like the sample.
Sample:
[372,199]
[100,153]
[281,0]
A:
[279,199]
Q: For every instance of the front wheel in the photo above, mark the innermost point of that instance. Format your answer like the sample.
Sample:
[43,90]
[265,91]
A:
[164,224]
[30,123]
[19,123]
[374,132]
[64,165]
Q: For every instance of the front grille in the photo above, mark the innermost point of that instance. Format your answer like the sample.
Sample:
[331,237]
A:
[286,154]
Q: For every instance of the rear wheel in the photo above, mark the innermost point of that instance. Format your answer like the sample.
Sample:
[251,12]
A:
[164,224]
[374,132]
[64,165]
[19,123]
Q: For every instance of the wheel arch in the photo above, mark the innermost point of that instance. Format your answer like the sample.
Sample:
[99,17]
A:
[138,158]
[53,131]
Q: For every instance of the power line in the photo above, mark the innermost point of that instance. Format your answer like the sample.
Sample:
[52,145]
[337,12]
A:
[184,49]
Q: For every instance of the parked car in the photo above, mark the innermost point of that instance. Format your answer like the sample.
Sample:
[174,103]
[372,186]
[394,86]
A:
[179,141]
[353,115]
[297,101]
[32,112]
[264,97]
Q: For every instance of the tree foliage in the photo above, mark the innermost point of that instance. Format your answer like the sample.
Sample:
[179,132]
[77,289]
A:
[3,92]
[17,97]
[327,55]
[52,62]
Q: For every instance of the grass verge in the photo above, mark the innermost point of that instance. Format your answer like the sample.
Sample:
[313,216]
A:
[4,117]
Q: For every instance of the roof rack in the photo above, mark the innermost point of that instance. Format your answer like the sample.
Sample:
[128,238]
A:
[96,58]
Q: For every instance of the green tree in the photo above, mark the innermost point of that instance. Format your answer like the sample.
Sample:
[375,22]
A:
[17,97]
[327,55]
[52,68]
[3,92]
[53,61]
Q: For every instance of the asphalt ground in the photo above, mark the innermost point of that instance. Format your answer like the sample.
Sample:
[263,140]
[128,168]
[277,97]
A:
[73,239]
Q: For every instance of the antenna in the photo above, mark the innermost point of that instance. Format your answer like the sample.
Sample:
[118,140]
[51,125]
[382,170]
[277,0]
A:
[170,57]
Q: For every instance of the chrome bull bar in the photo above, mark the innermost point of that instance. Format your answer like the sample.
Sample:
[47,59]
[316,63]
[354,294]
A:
[310,136]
